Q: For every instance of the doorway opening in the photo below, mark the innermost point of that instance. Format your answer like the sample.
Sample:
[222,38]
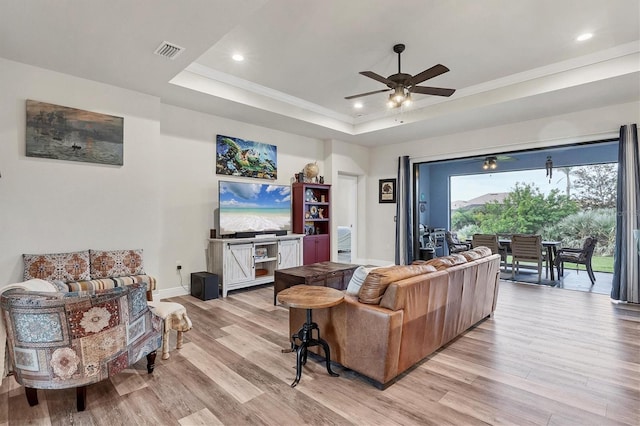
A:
[346,217]
[565,194]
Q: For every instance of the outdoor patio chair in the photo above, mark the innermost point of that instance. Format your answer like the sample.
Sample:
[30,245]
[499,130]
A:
[527,248]
[490,241]
[578,256]
[454,245]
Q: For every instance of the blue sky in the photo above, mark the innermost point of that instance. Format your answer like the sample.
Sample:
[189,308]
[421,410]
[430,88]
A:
[468,187]
[249,195]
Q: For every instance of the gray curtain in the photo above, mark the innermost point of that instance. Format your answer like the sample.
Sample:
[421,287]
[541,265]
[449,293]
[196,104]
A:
[626,265]
[404,220]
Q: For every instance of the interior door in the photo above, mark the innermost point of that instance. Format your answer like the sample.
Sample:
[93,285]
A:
[345,210]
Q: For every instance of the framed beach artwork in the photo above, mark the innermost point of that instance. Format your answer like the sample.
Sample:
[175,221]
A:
[239,157]
[64,133]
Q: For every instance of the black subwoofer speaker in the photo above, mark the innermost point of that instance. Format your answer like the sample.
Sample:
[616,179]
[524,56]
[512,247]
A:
[204,285]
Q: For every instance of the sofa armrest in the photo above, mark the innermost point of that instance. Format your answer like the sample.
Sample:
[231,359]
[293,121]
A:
[374,335]
[364,338]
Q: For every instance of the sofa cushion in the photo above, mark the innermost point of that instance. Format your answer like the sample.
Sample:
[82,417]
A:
[115,263]
[471,255]
[379,279]
[441,263]
[73,266]
[482,251]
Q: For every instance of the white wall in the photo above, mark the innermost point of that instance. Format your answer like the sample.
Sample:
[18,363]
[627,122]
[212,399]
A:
[55,206]
[349,159]
[588,125]
[189,184]
[161,200]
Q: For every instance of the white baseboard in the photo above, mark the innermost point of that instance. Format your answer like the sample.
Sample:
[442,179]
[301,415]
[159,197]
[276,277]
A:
[166,293]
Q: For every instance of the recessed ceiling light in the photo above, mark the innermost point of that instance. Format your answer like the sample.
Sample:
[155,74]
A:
[583,37]
[237,57]
[357,105]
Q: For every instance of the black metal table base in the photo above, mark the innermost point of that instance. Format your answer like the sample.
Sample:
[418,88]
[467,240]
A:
[305,336]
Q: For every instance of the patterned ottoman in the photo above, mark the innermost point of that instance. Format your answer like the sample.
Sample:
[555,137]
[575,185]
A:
[175,318]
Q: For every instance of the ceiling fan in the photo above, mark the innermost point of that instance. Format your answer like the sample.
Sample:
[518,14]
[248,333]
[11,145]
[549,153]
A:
[491,161]
[403,85]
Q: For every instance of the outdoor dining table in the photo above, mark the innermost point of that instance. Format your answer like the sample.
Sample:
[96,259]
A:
[550,246]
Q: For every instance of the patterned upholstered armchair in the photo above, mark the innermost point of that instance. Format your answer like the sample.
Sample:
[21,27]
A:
[60,340]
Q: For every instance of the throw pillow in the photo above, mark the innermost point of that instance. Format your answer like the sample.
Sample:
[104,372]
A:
[357,279]
[66,267]
[115,263]
[378,280]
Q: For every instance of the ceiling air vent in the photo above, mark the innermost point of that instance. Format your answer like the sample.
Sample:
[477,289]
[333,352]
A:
[169,50]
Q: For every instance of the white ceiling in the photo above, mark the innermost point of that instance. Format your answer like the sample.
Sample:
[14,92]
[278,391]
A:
[509,60]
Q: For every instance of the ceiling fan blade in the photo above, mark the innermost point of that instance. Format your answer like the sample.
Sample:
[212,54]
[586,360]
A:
[366,94]
[434,71]
[438,91]
[379,78]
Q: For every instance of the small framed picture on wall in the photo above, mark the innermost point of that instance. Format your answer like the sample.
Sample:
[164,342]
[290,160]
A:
[387,191]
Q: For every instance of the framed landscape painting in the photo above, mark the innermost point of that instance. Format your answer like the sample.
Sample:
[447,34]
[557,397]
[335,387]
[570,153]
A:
[239,157]
[64,133]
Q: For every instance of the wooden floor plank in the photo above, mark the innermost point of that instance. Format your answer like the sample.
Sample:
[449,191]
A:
[547,356]
[235,385]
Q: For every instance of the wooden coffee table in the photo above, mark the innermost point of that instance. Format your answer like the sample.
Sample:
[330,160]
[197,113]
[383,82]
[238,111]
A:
[327,274]
[309,298]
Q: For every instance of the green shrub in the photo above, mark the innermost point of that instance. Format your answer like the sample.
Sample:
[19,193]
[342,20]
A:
[573,229]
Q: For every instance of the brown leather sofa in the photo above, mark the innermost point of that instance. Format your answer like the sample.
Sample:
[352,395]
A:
[416,314]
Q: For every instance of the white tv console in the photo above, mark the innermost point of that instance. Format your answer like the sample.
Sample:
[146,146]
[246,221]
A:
[245,262]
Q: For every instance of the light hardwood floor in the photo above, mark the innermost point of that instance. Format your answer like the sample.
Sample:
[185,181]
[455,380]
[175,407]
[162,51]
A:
[547,357]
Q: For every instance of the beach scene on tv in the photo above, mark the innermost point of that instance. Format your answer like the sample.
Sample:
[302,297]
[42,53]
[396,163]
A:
[249,207]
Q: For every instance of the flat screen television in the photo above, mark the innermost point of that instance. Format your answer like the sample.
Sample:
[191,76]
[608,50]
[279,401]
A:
[253,207]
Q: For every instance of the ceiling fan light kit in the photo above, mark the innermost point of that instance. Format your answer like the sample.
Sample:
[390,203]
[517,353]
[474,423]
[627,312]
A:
[490,163]
[403,85]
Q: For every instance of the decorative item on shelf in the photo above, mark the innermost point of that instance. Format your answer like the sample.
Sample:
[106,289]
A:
[387,191]
[261,272]
[261,252]
[309,229]
[314,212]
[309,195]
[321,213]
[321,179]
[212,233]
[307,215]
[311,171]
[323,198]
[549,166]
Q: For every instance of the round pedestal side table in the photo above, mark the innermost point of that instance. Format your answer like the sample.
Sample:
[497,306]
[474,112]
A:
[309,298]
